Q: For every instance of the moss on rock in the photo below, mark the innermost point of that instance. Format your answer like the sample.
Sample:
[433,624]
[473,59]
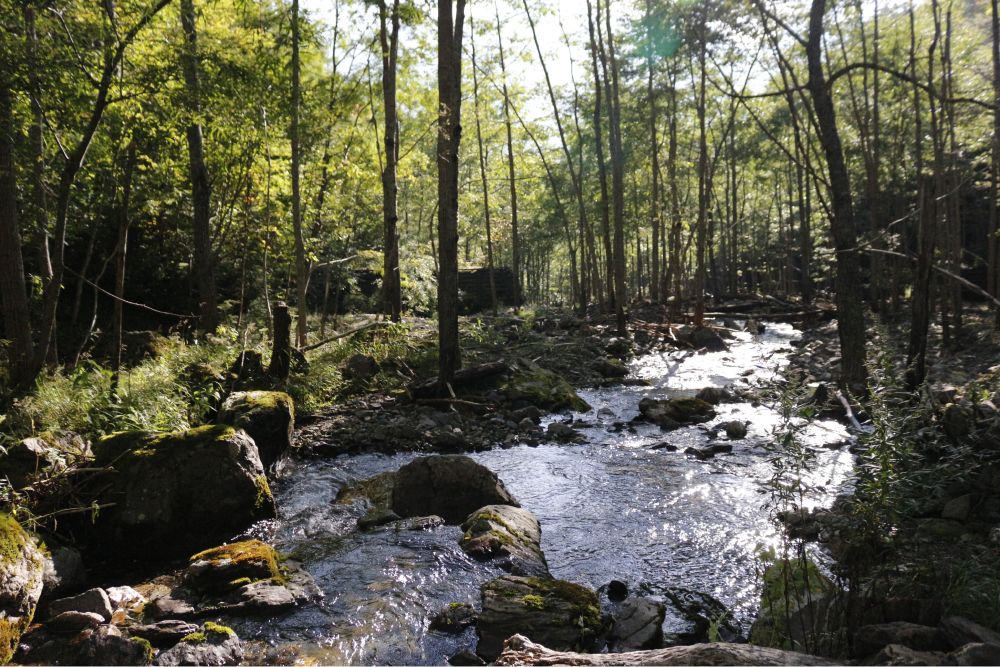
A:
[543,388]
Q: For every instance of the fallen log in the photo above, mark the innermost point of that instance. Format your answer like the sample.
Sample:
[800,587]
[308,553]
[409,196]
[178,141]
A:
[345,334]
[464,377]
[519,650]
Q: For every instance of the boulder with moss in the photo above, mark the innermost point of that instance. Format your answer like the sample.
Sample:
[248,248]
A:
[508,536]
[21,570]
[243,578]
[451,487]
[32,459]
[179,491]
[267,416]
[558,614]
[212,644]
[531,382]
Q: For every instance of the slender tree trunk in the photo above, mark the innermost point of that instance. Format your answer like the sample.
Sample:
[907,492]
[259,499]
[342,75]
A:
[617,171]
[602,170]
[391,281]
[482,171]
[121,249]
[654,285]
[201,188]
[301,268]
[37,141]
[702,224]
[850,322]
[17,324]
[515,235]
[995,164]
[449,138]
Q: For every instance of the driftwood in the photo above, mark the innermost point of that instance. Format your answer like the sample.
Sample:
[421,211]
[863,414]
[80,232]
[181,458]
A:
[519,650]
[464,377]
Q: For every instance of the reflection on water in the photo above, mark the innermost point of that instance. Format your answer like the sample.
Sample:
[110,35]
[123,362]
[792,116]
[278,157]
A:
[609,509]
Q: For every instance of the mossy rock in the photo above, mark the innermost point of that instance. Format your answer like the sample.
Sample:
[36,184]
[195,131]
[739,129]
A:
[223,568]
[796,600]
[558,614]
[510,537]
[267,416]
[684,409]
[532,383]
[178,491]
[21,571]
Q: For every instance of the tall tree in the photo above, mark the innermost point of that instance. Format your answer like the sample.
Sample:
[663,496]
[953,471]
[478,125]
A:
[482,171]
[201,187]
[448,140]
[995,163]
[391,282]
[301,268]
[514,232]
[602,169]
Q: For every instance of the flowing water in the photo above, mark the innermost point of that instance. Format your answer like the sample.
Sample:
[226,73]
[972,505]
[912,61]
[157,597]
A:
[612,508]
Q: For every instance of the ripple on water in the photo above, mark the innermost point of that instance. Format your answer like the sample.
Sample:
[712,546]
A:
[609,509]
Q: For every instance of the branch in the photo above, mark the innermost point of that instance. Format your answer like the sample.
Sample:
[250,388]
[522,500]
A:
[972,286]
[131,303]
[905,77]
[76,51]
[347,333]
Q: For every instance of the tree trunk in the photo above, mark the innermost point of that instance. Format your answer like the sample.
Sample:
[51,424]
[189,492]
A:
[617,170]
[201,188]
[702,225]
[281,353]
[654,285]
[995,164]
[850,317]
[449,138]
[392,293]
[515,236]
[123,225]
[17,324]
[301,268]
[482,171]
[37,141]
[602,169]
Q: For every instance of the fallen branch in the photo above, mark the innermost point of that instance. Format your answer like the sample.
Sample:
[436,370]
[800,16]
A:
[453,401]
[463,377]
[850,415]
[959,279]
[519,650]
[370,325]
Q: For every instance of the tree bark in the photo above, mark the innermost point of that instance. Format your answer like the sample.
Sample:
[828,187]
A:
[850,317]
[449,138]
[602,169]
[515,235]
[201,188]
[995,164]
[702,224]
[123,225]
[392,293]
[301,268]
[482,171]
[37,141]
[17,324]
[654,285]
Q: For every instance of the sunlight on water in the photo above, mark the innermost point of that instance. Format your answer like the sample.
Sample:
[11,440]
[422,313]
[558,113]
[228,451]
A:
[609,509]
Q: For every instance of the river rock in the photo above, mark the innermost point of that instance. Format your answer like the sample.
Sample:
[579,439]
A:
[454,618]
[37,458]
[95,601]
[958,631]
[163,634]
[957,421]
[531,382]
[451,487]
[957,509]
[610,368]
[617,590]
[64,572]
[897,654]
[975,654]
[508,536]
[465,658]
[705,338]
[267,416]
[178,490]
[377,491]
[72,622]
[519,650]
[215,570]
[677,410]
[562,432]
[21,572]
[213,644]
[638,625]
[871,638]
[376,518]
[111,649]
[557,614]
[735,430]
[713,395]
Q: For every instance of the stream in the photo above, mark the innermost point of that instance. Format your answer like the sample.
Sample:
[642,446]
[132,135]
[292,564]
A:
[611,508]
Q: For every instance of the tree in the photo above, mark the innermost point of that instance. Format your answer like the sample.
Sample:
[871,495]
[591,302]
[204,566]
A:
[448,140]
[389,39]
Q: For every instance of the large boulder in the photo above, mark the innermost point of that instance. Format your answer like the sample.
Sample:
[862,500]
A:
[638,625]
[532,383]
[267,416]
[675,410]
[180,491]
[94,601]
[508,536]
[451,487]
[558,614]
[870,639]
[64,572]
[21,571]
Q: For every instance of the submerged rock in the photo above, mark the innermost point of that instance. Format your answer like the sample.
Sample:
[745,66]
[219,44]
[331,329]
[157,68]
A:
[735,430]
[21,571]
[675,411]
[267,416]
[450,486]
[531,382]
[558,614]
[178,490]
[509,536]
[454,618]
[377,491]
